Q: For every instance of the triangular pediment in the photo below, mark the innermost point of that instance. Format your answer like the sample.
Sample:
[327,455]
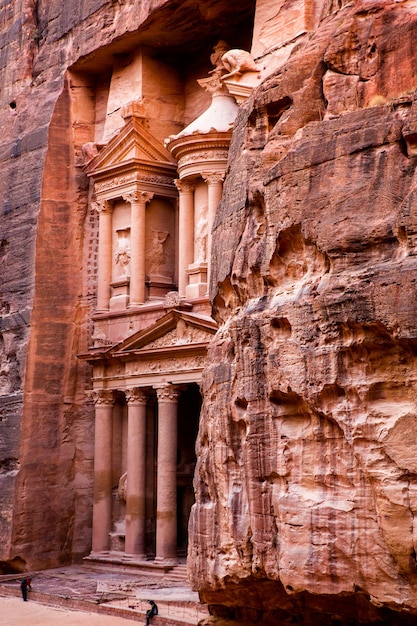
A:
[133,144]
[174,330]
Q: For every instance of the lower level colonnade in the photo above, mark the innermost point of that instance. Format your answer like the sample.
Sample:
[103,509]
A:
[136,464]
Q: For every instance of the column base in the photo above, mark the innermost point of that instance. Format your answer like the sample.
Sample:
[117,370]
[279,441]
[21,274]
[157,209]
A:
[134,557]
[160,560]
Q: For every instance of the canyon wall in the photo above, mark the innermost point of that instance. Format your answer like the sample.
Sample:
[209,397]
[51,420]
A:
[306,485]
[306,480]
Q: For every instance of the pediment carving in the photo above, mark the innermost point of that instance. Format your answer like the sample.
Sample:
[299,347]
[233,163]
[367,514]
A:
[133,144]
[183,334]
[174,329]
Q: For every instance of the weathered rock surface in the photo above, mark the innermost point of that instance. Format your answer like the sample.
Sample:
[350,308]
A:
[306,483]
[306,480]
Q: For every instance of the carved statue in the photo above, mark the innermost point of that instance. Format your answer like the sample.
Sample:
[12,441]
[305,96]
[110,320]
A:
[122,255]
[122,487]
[216,57]
[237,62]
[156,255]
[201,237]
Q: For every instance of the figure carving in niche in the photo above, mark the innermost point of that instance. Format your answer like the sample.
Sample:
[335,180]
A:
[122,487]
[156,255]
[237,62]
[201,237]
[122,255]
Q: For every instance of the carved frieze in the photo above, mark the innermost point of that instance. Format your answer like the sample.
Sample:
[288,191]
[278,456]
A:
[117,182]
[203,156]
[165,366]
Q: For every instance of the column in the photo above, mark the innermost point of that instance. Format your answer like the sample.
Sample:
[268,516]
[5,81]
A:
[102,521]
[136,472]
[138,201]
[105,210]
[186,232]
[214,182]
[166,515]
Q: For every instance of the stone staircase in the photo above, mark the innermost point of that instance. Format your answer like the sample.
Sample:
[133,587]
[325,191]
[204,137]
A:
[109,593]
[178,574]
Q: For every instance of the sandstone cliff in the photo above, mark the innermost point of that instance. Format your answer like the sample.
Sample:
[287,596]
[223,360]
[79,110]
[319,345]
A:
[306,480]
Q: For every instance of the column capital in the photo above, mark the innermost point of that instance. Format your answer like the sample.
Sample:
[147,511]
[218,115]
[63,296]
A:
[184,186]
[136,396]
[167,393]
[102,206]
[213,178]
[138,197]
[102,397]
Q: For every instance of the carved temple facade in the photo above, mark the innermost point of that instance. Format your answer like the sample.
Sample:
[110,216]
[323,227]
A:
[156,182]
[156,205]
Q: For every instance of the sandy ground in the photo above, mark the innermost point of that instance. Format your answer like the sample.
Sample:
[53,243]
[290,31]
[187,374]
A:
[15,612]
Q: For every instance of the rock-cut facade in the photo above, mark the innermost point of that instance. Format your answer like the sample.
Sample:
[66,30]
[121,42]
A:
[207,299]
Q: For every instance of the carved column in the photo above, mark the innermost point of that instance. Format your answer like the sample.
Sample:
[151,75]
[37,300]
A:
[186,232]
[104,402]
[214,182]
[136,472]
[138,201]
[105,210]
[166,517]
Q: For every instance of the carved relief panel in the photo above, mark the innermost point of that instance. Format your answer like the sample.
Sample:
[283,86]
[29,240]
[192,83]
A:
[121,251]
[161,245]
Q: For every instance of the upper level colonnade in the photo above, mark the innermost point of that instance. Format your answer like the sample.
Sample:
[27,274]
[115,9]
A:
[157,203]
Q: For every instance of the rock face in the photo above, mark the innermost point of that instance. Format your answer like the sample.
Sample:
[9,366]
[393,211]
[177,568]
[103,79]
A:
[306,484]
[306,479]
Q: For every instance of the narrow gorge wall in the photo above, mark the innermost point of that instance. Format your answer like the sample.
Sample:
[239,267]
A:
[306,480]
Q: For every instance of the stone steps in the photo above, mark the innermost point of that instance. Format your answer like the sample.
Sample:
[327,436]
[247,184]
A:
[177,574]
[83,591]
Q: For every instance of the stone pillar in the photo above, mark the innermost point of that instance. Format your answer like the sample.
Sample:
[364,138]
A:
[166,516]
[136,472]
[102,521]
[214,182]
[186,232]
[105,210]
[138,201]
